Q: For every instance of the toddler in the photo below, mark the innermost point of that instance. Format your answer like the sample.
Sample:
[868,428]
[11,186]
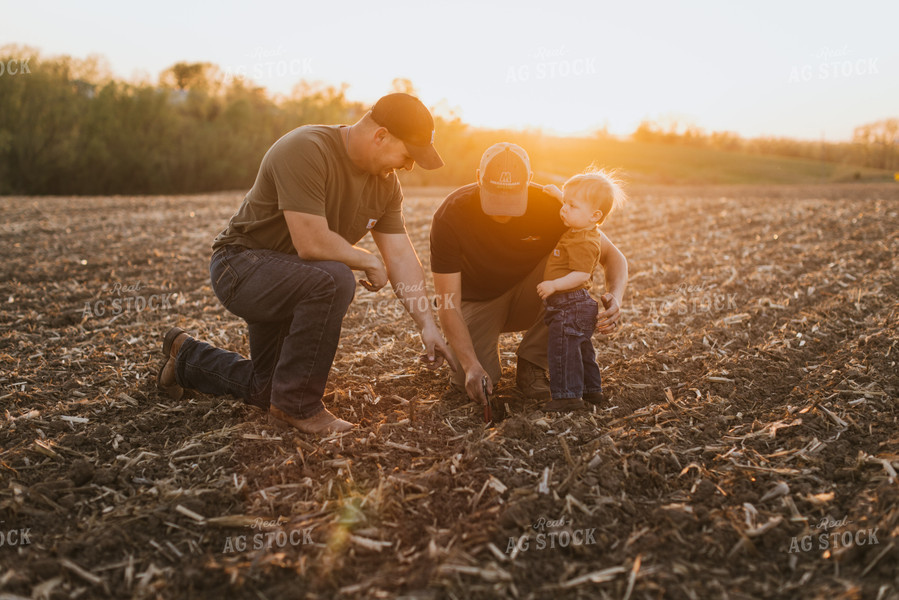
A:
[587,199]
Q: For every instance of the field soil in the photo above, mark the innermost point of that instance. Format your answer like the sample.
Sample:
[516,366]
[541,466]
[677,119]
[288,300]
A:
[747,447]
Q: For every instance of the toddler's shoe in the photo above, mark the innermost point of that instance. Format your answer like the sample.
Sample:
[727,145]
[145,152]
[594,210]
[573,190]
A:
[563,405]
[595,398]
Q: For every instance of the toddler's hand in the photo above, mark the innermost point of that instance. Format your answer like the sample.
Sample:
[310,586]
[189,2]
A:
[553,191]
[546,289]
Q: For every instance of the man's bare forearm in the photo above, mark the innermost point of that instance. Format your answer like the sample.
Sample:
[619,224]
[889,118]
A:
[614,266]
[409,284]
[407,276]
[331,246]
[314,241]
[458,336]
[616,277]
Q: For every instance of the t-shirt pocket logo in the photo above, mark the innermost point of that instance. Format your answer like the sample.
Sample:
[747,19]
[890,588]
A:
[371,223]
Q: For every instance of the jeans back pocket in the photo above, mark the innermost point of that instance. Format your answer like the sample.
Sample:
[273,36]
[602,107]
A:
[586,313]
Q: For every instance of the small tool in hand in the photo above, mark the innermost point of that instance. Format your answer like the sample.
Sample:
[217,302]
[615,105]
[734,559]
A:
[488,415]
[494,408]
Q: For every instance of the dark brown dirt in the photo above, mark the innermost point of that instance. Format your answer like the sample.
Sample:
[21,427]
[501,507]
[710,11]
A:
[751,418]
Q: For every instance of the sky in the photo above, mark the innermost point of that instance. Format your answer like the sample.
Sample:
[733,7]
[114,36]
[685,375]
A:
[809,70]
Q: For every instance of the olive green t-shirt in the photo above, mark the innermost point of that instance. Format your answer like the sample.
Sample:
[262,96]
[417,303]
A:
[308,170]
[575,251]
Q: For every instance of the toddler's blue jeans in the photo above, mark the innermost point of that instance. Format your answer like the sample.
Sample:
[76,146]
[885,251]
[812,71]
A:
[571,318]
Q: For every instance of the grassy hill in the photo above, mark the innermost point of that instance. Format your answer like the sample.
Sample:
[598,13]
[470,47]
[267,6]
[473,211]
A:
[555,159]
[663,163]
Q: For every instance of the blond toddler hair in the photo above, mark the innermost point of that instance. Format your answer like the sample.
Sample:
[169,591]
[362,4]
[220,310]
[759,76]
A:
[602,189]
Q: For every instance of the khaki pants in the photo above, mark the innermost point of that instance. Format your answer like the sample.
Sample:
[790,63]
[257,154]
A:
[519,309]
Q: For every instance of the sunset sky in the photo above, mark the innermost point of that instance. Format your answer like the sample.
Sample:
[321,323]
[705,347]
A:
[811,70]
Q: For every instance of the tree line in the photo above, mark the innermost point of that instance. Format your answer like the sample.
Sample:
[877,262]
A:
[874,145]
[68,126]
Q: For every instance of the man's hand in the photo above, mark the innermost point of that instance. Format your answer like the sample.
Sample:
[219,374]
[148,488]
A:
[607,320]
[545,289]
[376,274]
[436,350]
[474,384]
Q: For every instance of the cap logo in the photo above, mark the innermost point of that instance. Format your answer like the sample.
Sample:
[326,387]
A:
[556,252]
[433,131]
[505,180]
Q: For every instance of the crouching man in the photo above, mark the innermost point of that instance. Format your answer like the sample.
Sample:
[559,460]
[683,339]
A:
[285,262]
[490,242]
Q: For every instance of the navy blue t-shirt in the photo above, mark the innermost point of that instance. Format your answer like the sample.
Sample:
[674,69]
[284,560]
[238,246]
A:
[492,257]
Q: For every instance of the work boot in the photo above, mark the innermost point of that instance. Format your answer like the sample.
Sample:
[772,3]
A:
[165,379]
[532,380]
[321,423]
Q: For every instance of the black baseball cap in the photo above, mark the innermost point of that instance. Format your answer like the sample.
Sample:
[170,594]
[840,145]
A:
[407,119]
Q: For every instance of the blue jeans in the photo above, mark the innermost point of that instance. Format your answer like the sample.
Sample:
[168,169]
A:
[294,310]
[571,318]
